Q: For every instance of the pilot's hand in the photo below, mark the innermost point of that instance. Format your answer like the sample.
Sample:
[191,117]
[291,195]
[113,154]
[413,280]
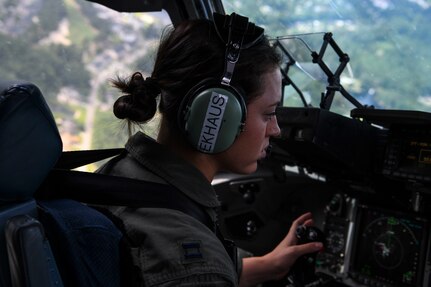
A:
[276,264]
[287,251]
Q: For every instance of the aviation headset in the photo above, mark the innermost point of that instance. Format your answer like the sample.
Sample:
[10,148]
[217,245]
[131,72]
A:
[213,113]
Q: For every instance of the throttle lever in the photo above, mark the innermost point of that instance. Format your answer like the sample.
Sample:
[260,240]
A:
[302,273]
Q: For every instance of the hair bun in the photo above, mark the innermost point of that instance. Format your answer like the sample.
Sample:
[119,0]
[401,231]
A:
[122,107]
[138,104]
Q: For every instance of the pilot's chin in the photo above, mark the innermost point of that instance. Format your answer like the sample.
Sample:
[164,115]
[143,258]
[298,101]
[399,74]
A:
[250,169]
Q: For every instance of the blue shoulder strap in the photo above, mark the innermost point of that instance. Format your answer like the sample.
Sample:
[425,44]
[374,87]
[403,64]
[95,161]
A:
[101,189]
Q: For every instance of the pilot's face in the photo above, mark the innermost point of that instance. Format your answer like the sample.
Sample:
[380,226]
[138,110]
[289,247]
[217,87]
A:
[261,124]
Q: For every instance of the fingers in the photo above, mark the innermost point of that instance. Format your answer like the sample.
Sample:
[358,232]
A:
[306,219]
[287,252]
[306,248]
[309,222]
[302,219]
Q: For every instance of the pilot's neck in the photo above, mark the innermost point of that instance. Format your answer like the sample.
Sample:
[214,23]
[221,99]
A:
[175,141]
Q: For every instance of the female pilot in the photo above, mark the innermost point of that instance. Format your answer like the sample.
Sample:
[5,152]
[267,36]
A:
[216,85]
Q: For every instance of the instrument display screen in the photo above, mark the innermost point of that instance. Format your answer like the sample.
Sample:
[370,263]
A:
[390,248]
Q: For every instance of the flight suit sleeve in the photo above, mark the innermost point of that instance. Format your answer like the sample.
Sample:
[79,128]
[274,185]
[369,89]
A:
[240,255]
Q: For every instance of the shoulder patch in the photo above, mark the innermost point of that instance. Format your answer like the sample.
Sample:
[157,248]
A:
[192,251]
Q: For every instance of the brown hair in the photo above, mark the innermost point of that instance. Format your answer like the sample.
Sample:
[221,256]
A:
[187,55]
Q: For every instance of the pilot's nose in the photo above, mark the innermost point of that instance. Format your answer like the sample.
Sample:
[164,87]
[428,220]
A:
[273,128]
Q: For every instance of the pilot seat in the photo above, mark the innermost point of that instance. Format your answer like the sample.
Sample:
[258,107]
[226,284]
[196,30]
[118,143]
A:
[46,242]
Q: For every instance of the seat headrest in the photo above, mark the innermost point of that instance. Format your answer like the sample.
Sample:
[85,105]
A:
[30,143]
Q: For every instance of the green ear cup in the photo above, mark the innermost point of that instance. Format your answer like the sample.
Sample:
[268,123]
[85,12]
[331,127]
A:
[214,118]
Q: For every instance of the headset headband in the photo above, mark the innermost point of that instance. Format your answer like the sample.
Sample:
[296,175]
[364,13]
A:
[237,33]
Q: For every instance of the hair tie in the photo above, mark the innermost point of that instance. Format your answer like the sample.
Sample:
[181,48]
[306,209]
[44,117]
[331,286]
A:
[152,86]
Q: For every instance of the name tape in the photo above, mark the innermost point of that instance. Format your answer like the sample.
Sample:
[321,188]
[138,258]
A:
[212,123]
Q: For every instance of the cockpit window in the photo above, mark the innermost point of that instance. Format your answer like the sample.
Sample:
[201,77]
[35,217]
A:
[71,49]
[387,43]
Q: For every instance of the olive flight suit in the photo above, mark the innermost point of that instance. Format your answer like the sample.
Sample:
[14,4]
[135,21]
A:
[169,247]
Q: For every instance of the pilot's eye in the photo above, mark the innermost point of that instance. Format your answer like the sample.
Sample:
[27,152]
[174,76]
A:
[269,116]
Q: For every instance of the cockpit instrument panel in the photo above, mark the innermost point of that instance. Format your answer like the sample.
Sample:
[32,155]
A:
[390,248]
[408,153]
